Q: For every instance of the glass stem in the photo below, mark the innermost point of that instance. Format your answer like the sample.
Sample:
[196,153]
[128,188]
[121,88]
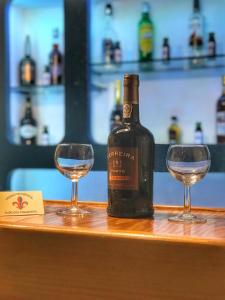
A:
[74,197]
[187,200]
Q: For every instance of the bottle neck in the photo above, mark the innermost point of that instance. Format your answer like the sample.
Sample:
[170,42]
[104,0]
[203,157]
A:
[145,16]
[28,110]
[196,6]
[27,47]
[131,104]
[198,127]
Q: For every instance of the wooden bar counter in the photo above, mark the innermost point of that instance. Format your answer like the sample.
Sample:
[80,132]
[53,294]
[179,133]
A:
[98,257]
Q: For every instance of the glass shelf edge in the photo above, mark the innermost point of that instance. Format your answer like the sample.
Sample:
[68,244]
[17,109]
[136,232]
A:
[36,89]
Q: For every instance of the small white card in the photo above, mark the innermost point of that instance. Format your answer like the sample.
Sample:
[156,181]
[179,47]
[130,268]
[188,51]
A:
[21,203]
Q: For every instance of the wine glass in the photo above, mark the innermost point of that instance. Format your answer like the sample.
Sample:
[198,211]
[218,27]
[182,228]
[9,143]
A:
[188,164]
[74,161]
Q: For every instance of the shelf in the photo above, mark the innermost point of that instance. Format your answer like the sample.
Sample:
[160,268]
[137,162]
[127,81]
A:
[37,4]
[37,89]
[185,65]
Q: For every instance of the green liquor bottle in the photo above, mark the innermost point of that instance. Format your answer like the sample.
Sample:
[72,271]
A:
[145,34]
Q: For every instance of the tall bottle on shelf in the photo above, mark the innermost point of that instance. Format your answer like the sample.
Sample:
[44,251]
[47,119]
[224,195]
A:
[145,34]
[111,46]
[220,117]
[211,45]
[117,112]
[27,66]
[198,134]
[174,131]
[28,125]
[196,38]
[130,160]
[56,61]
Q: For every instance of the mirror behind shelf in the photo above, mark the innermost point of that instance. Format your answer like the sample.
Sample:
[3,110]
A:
[190,94]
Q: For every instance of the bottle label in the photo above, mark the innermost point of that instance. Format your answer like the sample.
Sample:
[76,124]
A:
[56,69]
[199,137]
[196,35]
[127,110]
[123,168]
[28,131]
[165,53]
[211,48]
[221,123]
[45,139]
[27,72]
[146,45]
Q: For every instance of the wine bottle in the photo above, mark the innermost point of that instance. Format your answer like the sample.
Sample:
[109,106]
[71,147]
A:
[27,66]
[174,131]
[117,112]
[56,62]
[220,117]
[130,160]
[145,34]
[28,125]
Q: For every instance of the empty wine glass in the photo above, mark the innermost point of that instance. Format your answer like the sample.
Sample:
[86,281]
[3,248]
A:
[188,164]
[74,161]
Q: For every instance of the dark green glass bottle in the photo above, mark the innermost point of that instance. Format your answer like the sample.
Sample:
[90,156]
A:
[130,160]
[145,35]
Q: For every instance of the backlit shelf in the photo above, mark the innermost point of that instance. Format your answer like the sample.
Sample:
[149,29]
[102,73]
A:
[36,89]
[200,64]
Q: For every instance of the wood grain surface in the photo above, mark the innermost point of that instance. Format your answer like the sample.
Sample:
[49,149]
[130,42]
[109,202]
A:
[98,257]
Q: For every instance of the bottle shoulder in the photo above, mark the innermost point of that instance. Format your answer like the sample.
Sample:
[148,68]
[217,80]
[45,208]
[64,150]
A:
[28,119]
[145,21]
[126,130]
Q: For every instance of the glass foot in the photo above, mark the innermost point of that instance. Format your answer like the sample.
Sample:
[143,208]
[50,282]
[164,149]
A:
[72,211]
[187,218]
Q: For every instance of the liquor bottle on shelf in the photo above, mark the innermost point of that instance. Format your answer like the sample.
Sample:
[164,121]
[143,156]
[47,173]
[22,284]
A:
[198,135]
[145,34]
[110,41]
[27,66]
[174,131]
[117,112]
[46,76]
[196,39]
[220,117]
[45,136]
[56,62]
[211,45]
[28,125]
[165,50]
[130,160]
